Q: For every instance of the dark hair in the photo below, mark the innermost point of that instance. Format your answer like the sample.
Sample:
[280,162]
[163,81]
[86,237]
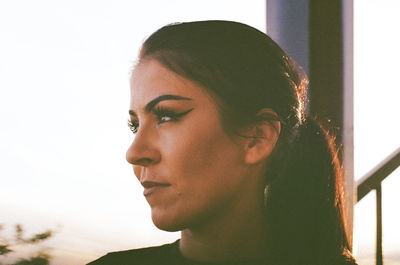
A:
[246,71]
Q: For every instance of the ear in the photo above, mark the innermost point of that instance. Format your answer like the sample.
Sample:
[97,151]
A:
[263,136]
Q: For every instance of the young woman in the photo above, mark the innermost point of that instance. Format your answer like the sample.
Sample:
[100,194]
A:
[226,154]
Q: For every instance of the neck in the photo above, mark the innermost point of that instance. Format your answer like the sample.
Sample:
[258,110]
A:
[234,234]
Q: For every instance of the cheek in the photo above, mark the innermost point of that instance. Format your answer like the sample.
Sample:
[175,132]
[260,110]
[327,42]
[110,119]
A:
[204,162]
[195,150]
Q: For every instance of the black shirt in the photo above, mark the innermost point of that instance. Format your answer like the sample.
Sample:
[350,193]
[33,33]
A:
[167,254]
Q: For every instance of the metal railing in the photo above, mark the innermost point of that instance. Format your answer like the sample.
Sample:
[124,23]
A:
[372,181]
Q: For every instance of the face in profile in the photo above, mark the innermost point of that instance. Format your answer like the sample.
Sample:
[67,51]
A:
[192,171]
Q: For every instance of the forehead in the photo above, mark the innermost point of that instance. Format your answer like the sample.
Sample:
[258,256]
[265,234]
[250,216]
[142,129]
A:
[151,79]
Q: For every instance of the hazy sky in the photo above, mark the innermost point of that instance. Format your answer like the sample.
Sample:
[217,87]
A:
[64,96]
[376,120]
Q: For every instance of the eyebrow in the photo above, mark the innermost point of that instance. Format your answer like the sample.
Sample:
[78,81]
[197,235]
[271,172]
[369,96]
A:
[157,100]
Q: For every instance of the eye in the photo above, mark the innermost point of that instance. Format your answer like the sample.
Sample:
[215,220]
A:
[133,126]
[164,118]
[165,115]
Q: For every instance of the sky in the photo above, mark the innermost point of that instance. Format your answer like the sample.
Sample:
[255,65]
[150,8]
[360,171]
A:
[376,121]
[64,98]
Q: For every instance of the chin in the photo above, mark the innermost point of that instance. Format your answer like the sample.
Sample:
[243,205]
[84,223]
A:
[166,224]
[173,219]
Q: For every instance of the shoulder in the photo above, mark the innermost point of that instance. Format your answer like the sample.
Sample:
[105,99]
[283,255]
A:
[143,256]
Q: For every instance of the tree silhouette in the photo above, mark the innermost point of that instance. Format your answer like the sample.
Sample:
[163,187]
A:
[8,246]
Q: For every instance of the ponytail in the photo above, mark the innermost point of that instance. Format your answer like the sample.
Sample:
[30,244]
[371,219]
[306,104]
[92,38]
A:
[304,205]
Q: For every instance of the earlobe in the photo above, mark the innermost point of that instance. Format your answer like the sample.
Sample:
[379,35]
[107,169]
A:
[265,134]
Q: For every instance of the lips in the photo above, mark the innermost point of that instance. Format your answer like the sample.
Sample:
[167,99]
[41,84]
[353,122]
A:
[151,187]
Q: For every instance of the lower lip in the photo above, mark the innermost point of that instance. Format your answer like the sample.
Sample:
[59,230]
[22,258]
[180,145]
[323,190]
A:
[154,189]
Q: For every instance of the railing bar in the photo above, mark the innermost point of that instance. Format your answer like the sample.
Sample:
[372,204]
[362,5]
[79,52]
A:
[378,174]
[379,255]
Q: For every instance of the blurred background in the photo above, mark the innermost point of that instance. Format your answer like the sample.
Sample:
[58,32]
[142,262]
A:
[64,98]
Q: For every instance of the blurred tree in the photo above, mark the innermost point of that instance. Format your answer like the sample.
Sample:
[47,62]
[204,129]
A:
[7,246]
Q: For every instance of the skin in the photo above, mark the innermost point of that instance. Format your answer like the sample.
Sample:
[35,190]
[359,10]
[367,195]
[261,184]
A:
[209,185]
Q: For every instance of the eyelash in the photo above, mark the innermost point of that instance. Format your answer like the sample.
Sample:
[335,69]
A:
[133,126]
[160,113]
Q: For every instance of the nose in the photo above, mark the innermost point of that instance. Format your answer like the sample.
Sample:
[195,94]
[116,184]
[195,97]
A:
[143,150]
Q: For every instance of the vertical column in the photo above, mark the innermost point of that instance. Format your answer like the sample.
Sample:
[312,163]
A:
[287,24]
[348,116]
[319,36]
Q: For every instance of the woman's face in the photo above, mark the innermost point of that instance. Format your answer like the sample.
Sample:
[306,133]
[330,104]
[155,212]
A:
[189,167]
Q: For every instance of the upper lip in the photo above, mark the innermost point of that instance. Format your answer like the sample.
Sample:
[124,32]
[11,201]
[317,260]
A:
[149,184]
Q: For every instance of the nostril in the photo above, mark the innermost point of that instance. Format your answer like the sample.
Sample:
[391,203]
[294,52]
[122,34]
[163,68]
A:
[142,161]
